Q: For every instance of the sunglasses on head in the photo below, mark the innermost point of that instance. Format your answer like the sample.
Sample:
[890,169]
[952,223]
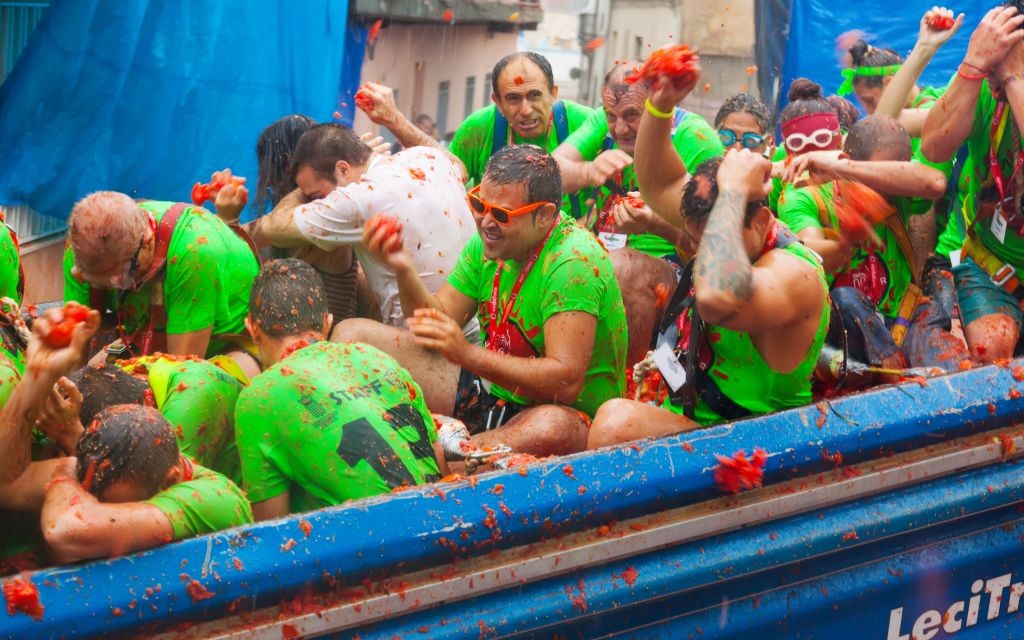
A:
[821,138]
[749,140]
[501,215]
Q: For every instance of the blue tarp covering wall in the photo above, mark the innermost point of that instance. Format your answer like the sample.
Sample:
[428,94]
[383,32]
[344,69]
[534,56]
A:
[149,96]
[810,50]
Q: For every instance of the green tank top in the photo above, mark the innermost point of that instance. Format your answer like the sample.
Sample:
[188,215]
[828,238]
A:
[744,377]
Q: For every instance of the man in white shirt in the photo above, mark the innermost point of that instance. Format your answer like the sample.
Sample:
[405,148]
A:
[342,183]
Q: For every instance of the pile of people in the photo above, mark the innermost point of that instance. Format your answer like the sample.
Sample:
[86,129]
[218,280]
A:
[557,278]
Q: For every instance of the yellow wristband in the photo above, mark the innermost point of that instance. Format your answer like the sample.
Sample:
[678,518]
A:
[653,110]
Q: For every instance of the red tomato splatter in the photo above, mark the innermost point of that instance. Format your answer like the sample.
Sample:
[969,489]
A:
[660,296]
[364,101]
[752,69]
[448,15]
[941,22]
[518,80]
[373,32]
[630,575]
[22,597]
[498,489]
[288,545]
[707,87]
[59,335]
[337,115]
[594,44]
[1018,373]
[850,535]
[687,447]
[197,591]
[417,174]
[858,208]
[1014,394]
[203,192]
[89,474]
[568,470]
[740,472]
[238,564]
[289,631]
[678,62]
[306,527]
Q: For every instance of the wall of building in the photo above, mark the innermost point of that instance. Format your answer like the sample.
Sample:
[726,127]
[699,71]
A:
[722,32]
[415,59]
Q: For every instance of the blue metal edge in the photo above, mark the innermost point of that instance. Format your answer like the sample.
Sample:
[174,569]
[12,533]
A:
[266,563]
[781,578]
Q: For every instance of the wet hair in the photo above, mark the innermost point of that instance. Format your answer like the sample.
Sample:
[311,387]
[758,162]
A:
[324,145]
[745,103]
[105,223]
[533,57]
[527,163]
[845,110]
[805,98]
[106,386]
[878,132]
[864,55]
[126,443]
[287,299]
[701,192]
[274,150]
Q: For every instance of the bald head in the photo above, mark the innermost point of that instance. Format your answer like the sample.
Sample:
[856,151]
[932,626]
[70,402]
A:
[104,225]
[878,137]
[615,86]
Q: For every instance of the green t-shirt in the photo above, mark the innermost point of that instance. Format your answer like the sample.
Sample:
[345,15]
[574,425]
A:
[207,503]
[20,535]
[198,398]
[799,210]
[333,422]
[778,187]
[572,273]
[207,279]
[694,140]
[952,237]
[10,265]
[978,146]
[474,139]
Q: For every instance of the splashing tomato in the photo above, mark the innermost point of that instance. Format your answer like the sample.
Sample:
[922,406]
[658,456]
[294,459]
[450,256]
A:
[22,597]
[941,22]
[59,335]
[740,472]
[676,61]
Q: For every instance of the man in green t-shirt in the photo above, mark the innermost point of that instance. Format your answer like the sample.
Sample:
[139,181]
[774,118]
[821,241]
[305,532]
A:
[324,422]
[196,396]
[984,107]
[526,109]
[600,154]
[12,282]
[189,286]
[868,277]
[548,303]
[129,488]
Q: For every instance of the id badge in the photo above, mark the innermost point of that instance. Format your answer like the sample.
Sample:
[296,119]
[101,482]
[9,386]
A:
[668,364]
[613,241]
[998,226]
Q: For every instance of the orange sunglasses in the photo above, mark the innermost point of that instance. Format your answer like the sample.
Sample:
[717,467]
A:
[500,214]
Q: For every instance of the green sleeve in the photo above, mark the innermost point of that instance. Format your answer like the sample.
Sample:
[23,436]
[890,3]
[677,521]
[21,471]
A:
[696,141]
[9,378]
[472,141]
[200,405]
[256,432]
[799,210]
[589,137]
[468,272]
[573,285]
[75,290]
[207,503]
[10,265]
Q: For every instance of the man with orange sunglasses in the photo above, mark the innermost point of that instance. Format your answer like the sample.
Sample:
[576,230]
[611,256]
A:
[547,300]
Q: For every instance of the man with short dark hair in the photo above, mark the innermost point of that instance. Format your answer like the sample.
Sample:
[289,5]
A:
[342,183]
[130,488]
[324,422]
[175,277]
[527,110]
[743,333]
[543,289]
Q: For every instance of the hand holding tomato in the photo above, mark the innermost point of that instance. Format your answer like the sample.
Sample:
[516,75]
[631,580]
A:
[382,237]
[938,25]
[59,338]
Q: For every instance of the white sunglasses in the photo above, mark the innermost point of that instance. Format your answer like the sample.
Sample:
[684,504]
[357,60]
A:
[796,142]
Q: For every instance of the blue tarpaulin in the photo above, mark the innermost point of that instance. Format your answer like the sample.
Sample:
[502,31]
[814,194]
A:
[811,50]
[149,96]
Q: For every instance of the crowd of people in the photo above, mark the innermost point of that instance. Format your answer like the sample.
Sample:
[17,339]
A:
[557,278]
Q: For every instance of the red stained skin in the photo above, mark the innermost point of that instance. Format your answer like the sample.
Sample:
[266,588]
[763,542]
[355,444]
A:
[59,335]
[22,597]
[364,101]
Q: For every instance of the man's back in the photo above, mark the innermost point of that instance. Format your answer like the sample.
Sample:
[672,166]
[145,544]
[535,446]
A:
[333,422]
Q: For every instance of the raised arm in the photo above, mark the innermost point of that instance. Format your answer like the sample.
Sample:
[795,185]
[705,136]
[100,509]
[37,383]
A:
[278,228]
[949,122]
[382,110]
[660,171]
[731,290]
[897,178]
[929,41]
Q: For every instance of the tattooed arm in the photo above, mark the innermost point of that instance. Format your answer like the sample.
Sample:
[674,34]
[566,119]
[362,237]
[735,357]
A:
[733,291]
